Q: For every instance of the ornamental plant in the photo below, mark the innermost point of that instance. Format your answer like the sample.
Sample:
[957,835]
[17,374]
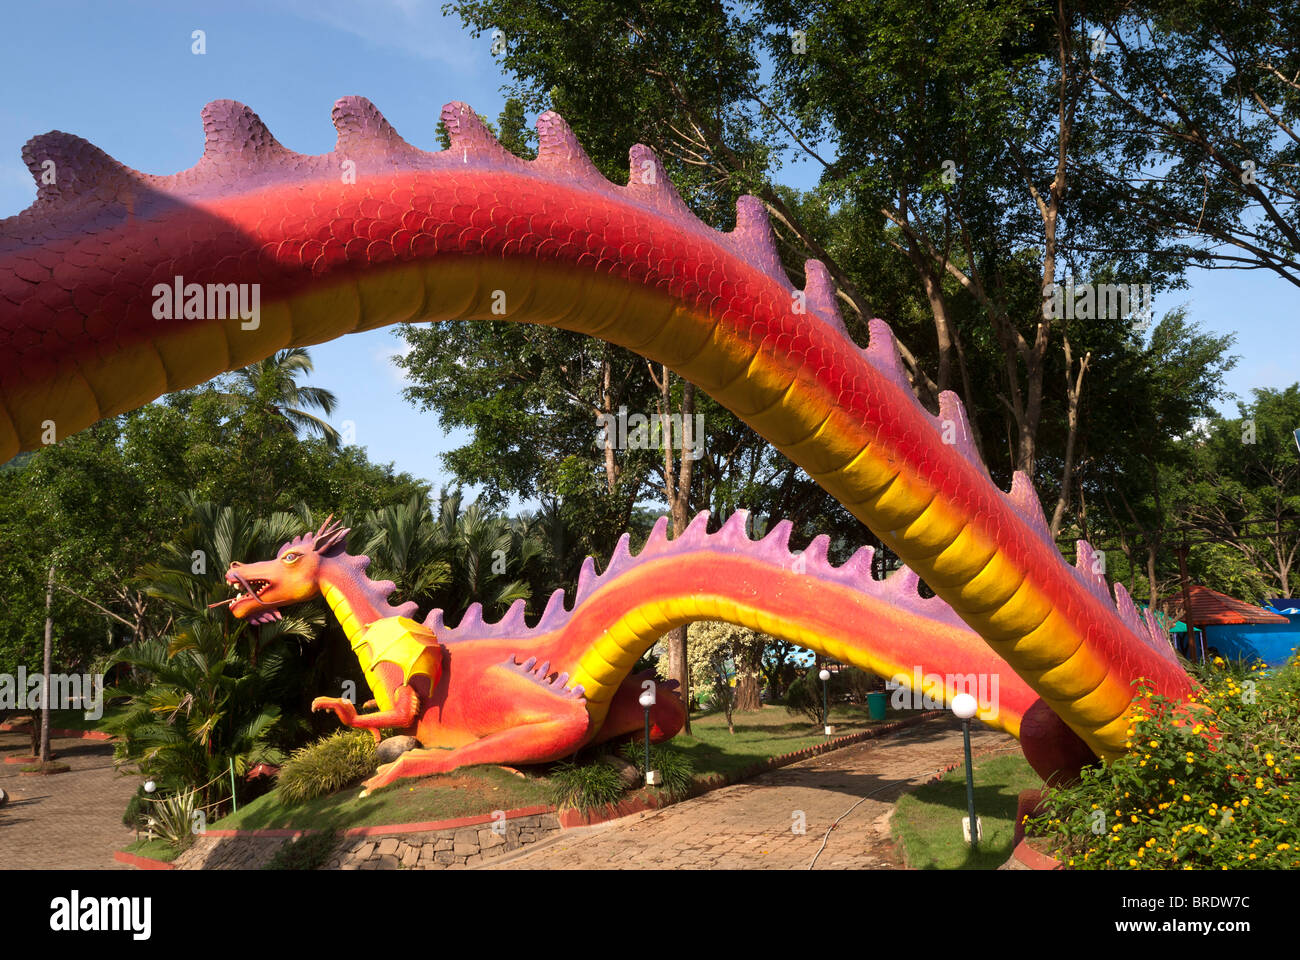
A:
[1182,800]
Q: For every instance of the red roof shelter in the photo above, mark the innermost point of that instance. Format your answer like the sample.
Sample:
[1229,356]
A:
[1206,607]
[1209,608]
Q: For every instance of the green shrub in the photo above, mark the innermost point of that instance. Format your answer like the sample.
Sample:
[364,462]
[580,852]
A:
[675,767]
[172,818]
[308,852]
[584,787]
[804,698]
[1179,800]
[329,764]
[137,810]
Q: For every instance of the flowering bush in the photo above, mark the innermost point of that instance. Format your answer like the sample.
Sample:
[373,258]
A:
[1183,799]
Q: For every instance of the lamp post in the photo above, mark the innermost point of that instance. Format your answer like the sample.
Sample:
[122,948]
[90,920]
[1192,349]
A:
[827,729]
[964,706]
[149,787]
[647,700]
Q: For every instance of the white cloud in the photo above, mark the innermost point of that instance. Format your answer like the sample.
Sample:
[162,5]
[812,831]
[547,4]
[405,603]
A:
[386,358]
[416,27]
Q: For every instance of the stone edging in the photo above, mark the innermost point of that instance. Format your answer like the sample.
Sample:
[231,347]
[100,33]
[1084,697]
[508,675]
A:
[1033,860]
[384,829]
[139,862]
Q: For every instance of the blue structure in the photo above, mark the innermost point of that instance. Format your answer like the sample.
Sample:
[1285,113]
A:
[1273,643]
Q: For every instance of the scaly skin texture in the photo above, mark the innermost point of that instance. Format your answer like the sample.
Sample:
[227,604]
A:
[506,692]
[378,232]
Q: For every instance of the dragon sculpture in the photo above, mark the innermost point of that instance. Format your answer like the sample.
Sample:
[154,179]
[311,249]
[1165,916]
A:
[506,692]
[379,232]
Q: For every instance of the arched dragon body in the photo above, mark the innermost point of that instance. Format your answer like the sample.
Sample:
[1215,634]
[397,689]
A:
[508,692]
[378,232]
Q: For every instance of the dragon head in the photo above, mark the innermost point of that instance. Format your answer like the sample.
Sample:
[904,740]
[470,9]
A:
[292,577]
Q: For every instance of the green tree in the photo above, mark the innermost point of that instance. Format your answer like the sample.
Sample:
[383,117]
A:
[270,389]
[1246,486]
[211,691]
[1202,101]
[1137,450]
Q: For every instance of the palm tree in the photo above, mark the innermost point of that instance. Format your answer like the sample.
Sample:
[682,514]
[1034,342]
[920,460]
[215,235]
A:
[206,694]
[448,557]
[403,542]
[194,706]
[270,387]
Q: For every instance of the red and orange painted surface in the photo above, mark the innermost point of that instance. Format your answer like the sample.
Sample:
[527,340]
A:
[378,232]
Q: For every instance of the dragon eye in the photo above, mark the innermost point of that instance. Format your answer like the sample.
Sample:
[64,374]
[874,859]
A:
[291,557]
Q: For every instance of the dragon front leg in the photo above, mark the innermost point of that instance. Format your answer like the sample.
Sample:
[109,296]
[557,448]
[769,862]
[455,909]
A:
[406,705]
[534,720]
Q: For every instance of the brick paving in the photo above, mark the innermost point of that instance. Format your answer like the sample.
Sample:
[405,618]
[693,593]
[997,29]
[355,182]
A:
[751,825]
[73,820]
[69,820]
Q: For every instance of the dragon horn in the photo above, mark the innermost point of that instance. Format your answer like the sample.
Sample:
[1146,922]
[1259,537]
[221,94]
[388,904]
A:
[324,526]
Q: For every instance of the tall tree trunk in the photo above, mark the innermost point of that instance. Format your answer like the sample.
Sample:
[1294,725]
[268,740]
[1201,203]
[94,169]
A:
[1073,388]
[45,666]
[607,402]
[1153,547]
[748,681]
[677,491]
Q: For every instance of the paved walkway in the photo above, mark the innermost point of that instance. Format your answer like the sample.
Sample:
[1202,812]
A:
[755,824]
[69,820]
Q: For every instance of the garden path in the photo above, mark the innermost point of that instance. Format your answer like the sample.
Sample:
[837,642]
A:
[752,824]
[69,820]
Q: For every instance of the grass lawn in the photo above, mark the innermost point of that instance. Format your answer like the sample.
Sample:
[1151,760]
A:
[470,792]
[76,719]
[155,849]
[928,821]
[769,732]
[478,790]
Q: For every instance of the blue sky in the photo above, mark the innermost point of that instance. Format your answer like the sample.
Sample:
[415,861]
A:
[123,76]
